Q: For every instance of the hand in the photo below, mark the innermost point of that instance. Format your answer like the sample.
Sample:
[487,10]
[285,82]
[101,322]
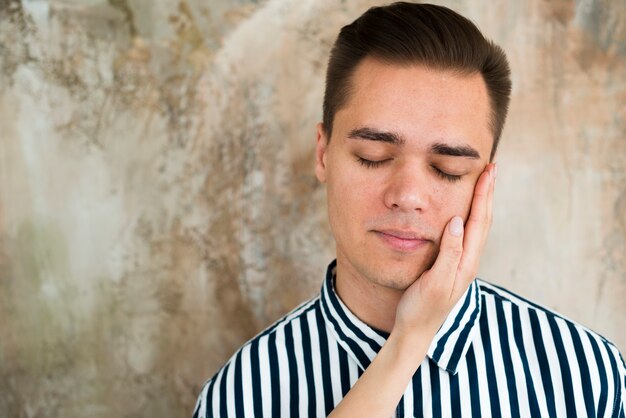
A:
[422,309]
[425,305]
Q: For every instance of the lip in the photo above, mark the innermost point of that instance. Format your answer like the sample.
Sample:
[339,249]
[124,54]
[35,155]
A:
[403,241]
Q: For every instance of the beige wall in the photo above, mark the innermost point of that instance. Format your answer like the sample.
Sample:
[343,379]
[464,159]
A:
[158,204]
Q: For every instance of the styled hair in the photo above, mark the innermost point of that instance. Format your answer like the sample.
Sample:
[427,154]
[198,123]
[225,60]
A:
[407,33]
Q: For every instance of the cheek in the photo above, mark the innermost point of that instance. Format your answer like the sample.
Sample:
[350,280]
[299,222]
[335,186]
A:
[353,197]
[456,200]
[351,193]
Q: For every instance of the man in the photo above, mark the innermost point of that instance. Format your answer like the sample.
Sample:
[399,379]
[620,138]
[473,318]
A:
[414,107]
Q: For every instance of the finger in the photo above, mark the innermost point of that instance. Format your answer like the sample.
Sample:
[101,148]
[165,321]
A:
[492,187]
[477,220]
[444,271]
[489,203]
[477,225]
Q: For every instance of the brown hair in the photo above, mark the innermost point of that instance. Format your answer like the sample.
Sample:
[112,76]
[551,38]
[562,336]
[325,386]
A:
[406,33]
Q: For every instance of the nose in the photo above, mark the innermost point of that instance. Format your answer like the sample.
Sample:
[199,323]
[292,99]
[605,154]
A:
[407,190]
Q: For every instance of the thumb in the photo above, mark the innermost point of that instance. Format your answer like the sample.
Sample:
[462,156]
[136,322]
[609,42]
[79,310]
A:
[450,251]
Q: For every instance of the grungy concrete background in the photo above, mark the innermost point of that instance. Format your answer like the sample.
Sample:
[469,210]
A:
[158,204]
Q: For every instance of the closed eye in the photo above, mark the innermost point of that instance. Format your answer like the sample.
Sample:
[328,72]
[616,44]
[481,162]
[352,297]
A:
[452,178]
[370,163]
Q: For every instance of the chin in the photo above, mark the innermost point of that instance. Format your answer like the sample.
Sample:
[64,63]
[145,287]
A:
[397,276]
[398,283]
[387,269]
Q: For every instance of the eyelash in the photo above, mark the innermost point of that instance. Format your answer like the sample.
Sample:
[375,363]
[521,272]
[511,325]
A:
[449,177]
[369,163]
[374,164]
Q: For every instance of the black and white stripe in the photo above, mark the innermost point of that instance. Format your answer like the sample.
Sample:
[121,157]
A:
[496,355]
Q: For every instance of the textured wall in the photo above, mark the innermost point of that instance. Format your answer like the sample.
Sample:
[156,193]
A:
[157,198]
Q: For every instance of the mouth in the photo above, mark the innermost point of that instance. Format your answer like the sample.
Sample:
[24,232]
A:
[402,241]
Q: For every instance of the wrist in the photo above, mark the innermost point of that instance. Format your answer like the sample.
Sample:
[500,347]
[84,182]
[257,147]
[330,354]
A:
[409,348]
[414,335]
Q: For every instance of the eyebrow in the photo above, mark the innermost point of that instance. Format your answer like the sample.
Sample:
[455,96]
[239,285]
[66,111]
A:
[374,135]
[438,148]
[455,150]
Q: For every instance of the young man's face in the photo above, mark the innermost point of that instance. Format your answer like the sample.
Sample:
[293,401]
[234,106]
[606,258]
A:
[393,181]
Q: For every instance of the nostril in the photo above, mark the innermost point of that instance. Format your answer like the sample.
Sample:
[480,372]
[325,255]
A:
[406,192]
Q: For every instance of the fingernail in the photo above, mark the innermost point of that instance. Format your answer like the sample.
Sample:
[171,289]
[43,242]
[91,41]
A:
[495,171]
[456,226]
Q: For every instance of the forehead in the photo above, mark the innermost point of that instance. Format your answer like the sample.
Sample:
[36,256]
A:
[414,101]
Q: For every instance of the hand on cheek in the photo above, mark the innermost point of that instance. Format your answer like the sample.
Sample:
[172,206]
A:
[426,303]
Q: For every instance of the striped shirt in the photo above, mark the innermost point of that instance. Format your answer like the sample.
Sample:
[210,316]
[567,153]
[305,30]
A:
[496,354]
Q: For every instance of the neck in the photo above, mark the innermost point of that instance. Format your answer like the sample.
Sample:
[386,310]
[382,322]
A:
[370,302]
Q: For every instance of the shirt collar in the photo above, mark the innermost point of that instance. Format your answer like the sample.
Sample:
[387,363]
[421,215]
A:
[363,342]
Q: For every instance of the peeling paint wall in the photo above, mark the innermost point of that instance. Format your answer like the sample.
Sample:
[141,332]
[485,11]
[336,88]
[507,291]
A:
[158,204]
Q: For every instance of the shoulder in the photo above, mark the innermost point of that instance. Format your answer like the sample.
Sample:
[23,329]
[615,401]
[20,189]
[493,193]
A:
[241,382]
[539,314]
[579,352]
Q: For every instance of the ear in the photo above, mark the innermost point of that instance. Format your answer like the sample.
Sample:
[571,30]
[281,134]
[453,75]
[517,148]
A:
[320,153]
